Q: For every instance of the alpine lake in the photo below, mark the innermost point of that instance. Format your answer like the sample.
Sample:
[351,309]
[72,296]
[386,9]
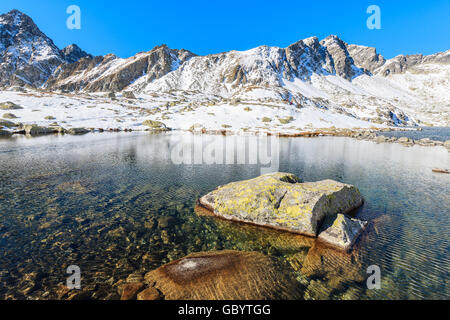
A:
[119,203]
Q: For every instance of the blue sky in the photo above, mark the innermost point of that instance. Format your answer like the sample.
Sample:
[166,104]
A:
[127,27]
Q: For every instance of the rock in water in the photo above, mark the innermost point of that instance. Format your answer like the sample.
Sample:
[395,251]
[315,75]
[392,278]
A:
[227,274]
[37,130]
[341,231]
[76,131]
[278,200]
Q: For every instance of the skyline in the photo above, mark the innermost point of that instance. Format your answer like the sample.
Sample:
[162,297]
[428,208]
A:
[127,28]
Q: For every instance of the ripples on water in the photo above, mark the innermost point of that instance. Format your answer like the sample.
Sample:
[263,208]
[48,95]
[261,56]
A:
[97,201]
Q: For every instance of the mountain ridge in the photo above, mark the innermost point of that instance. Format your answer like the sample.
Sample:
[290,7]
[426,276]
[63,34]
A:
[329,74]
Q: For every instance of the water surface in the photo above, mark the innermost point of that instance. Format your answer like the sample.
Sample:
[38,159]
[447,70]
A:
[117,203]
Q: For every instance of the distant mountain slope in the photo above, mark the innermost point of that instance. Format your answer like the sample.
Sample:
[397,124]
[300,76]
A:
[28,56]
[111,73]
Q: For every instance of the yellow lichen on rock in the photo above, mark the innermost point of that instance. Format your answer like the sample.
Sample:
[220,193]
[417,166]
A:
[279,200]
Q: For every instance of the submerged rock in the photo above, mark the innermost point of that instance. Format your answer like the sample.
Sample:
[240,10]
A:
[278,200]
[220,275]
[341,231]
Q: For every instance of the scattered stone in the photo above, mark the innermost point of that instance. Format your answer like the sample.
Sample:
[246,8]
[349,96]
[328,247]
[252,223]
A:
[130,290]
[135,277]
[403,140]
[9,116]
[149,294]
[165,222]
[447,145]
[76,131]
[286,120]
[8,124]
[33,129]
[381,139]
[8,105]
[155,125]
[128,95]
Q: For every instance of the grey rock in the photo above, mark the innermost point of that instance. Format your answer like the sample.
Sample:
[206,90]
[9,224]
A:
[280,201]
[19,65]
[8,105]
[34,129]
[76,131]
[72,53]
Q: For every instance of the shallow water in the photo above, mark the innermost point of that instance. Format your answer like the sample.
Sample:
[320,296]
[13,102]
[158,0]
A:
[96,201]
[433,133]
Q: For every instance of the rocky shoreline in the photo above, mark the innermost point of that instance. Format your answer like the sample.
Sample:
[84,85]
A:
[157,126]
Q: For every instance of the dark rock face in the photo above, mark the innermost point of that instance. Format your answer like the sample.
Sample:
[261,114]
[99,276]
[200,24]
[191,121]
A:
[342,61]
[110,73]
[366,57]
[73,53]
[27,56]
[402,63]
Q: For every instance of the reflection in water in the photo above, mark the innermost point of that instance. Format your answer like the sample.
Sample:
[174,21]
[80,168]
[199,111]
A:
[116,203]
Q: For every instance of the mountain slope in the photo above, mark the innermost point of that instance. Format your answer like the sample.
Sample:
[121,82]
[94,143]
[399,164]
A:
[111,73]
[27,56]
[344,79]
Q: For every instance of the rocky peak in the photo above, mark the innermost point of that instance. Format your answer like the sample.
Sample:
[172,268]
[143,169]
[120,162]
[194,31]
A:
[366,57]
[73,53]
[342,61]
[110,73]
[27,56]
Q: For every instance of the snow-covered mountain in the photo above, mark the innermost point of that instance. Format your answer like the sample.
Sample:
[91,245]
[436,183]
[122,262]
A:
[111,73]
[344,79]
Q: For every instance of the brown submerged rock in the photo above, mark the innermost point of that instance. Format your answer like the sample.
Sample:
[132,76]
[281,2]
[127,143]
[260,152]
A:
[221,275]
[130,290]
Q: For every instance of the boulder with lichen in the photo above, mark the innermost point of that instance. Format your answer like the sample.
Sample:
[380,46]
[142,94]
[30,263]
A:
[279,200]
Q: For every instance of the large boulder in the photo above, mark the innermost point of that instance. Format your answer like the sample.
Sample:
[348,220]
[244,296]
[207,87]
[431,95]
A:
[8,105]
[5,132]
[224,275]
[34,129]
[77,131]
[155,125]
[447,144]
[7,123]
[278,200]
[128,95]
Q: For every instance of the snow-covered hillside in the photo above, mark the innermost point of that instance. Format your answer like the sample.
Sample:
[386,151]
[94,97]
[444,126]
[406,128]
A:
[310,84]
